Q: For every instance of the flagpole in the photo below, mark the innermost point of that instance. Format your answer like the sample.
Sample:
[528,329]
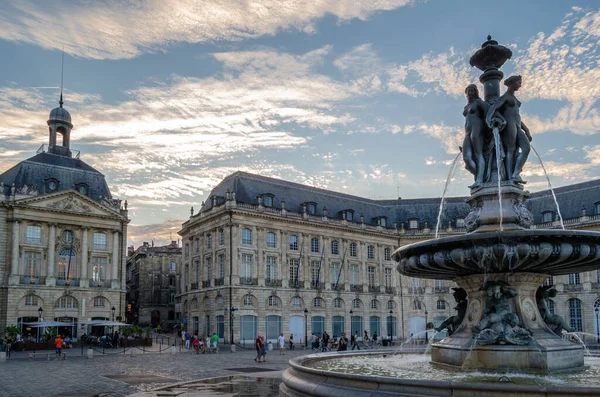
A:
[320,264]
[340,272]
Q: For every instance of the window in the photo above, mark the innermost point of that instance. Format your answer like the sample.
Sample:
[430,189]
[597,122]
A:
[197,243]
[33,234]
[31,263]
[209,240]
[31,300]
[221,259]
[173,266]
[311,208]
[416,304]
[315,273]
[271,270]
[66,265]
[268,201]
[575,315]
[551,306]
[337,323]
[207,303]
[335,273]
[66,302]
[354,275]
[350,216]
[574,279]
[187,250]
[413,224]
[194,304]
[273,301]
[247,266]
[387,254]
[314,245]
[248,300]
[547,216]
[549,281]
[293,243]
[337,303]
[460,222]
[82,188]
[390,305]
[374,304]
[383,222]
[219,301]
[371,275]
[356,304]
[597,205]
[296,302]
[99,301]
[370,252]
[318,303]
[99,268]
[335,247]
[387,277]
[294,267]
[197,267]
[247,237]
[100,241]
[208,269]
[271,240]
[441,305]
[221,237]
[67,236]
[353,249]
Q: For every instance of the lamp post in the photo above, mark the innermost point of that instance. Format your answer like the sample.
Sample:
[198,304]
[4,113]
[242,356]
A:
[351,313]
[305,328]
[40,316]
[426,333]
[391,328]
[597,310]
[113,309]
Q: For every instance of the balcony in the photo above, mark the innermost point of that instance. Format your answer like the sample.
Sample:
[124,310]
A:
[356,288]
[193,286]
[338,287]
[390,290]
[316,285]
[441,290]
[272,283]
[67,283]
[206,284]
[219,282]
[416,290]
[573,287]
[296,284]
[100,284]
[248,281]
[32,280]
[373,288]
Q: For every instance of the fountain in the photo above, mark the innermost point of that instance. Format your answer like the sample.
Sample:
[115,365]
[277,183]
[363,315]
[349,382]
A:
[502,324]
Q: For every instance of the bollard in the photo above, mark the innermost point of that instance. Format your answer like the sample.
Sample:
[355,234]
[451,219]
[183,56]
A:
[233,348]
[133,351]
[2,356]
[173,350]
[90,353]
[270,346]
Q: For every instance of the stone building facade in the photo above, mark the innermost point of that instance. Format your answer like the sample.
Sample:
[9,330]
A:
[152,284]
[62,238]
[294,259]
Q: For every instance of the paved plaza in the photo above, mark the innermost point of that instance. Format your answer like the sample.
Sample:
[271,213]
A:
[124,375]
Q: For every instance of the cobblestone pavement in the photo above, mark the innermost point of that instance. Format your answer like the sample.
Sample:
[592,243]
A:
[80,376]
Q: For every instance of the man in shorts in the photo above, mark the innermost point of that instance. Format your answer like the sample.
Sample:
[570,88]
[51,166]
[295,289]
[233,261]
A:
[281,341]
[58,346]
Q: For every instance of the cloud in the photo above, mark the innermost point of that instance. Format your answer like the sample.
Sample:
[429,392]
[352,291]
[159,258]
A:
[157,233]
[113,30]
[450,137]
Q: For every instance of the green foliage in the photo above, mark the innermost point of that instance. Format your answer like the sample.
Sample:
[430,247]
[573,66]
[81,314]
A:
[127,331]
[50,332]
[147,331]
[12,331]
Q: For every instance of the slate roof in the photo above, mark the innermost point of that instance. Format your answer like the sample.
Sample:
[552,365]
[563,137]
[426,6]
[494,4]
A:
[67,171]
[248,187]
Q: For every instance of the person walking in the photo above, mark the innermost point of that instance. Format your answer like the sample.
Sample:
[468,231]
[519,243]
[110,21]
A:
[58,346]
[343,343]
[291,341]
[263,350]
[215,340]
[366,339]
[354,341]
[281,341]
[187,339]
[258,346]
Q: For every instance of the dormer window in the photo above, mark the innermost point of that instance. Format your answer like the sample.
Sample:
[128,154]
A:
[267,200]
[413,223]
[547,216]
[311,208]
[51,185]
[460,222]
[82,188]
[383,221]
[597,205]
[349,215]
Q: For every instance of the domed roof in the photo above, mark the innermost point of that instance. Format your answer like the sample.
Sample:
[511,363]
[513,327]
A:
[60,114]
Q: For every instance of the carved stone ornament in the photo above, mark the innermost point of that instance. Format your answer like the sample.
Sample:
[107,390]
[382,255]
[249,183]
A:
[524,216]
[28,190]
[70,204]
[472,219]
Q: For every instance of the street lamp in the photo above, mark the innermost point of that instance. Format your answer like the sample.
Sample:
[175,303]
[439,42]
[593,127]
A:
[305,328]
[391,327]
[597,310]
[112,309]
[426,333]
[351,313]
[40,314]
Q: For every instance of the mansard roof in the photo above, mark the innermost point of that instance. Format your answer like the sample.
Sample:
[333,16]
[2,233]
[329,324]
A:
[67,171]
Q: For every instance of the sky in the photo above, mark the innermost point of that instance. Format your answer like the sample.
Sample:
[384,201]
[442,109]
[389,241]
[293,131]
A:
[363,97]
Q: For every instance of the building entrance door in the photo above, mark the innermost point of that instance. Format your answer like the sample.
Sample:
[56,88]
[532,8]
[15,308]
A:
[297,328]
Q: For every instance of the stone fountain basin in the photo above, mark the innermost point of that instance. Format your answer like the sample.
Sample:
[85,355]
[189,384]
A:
[301,380]
[551,252]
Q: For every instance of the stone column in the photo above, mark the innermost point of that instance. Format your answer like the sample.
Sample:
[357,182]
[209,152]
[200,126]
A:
[84,281]
[50,279]
[115,261]
[14,263]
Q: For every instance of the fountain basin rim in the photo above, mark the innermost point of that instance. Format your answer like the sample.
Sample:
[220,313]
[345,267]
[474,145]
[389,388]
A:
[291,378]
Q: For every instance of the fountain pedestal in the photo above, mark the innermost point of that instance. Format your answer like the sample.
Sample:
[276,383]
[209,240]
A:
[545,352]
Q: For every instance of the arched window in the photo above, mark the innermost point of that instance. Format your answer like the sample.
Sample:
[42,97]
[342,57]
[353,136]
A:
[219,301]
[338,303]
[194,304]
[371,252]
[296,302]
[335,247]
[67,236]
[273,301]
[314,245]
[575,315]
[390,305]
[271,240]
[353,249]
[387,254]
[441,304]
[416,304]
[99,301]
[207,303]
[248,300]
[318,303]
[66,302]
[247,236]
[374,304]
[356,304]
[31,300]
[293,243]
